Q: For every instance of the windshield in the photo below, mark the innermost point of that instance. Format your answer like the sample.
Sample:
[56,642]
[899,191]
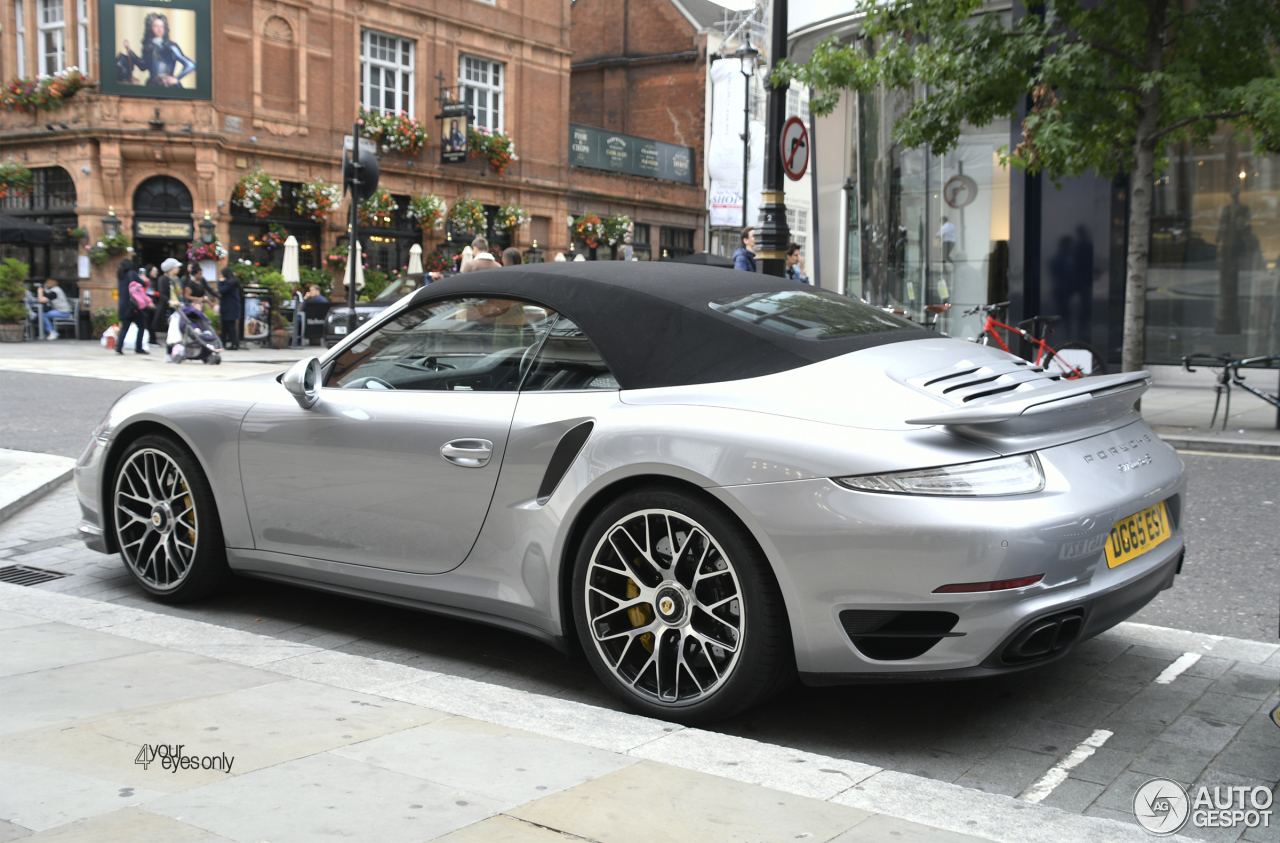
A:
[806,315]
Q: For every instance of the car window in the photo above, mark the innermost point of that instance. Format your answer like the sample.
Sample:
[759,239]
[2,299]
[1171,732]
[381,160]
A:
[810,315]
[568,360]
[472,344]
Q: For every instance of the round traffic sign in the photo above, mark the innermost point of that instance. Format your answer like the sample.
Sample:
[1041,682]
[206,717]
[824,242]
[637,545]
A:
[795,149]
[959,191]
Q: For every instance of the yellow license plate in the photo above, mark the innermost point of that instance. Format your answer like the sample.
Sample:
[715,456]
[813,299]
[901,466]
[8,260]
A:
[1133,536]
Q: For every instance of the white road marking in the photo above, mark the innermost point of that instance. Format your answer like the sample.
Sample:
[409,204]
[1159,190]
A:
[1224,454]
[1058,772]
[1175,670]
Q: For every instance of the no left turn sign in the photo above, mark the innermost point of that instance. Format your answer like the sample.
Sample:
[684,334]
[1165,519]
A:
[795,149]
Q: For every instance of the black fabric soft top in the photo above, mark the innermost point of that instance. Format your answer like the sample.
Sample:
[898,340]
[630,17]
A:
[653,323]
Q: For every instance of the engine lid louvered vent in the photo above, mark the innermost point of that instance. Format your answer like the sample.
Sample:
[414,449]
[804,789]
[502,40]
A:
[968,381]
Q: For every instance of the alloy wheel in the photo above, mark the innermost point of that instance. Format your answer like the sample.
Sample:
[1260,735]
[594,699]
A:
[156,521]
[665,607]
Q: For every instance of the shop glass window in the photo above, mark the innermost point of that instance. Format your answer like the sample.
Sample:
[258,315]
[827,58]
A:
[676,242]
[1215,252]
[53,190]
[640,243]
[386,73]
[53,37]
[481,83]
[82,41]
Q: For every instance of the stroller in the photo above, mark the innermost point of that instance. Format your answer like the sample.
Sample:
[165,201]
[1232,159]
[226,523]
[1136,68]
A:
[194,335]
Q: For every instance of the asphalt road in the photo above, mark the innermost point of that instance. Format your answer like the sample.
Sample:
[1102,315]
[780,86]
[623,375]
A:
[1228,585]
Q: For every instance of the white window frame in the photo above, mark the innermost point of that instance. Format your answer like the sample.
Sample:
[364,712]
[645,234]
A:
[82,44]
[476,84]
[374,46]
[20,30]
[57,30]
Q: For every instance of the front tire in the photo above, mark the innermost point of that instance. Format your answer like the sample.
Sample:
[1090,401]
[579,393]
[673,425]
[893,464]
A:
[166,522]
[677,609]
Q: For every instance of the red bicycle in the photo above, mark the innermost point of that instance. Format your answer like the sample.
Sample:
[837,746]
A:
[1070,360]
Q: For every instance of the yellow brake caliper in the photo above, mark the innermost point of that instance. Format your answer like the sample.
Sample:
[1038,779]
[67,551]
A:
[641,615]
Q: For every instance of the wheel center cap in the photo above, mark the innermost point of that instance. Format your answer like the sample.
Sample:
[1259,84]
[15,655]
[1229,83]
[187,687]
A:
[671,604]
[161,517]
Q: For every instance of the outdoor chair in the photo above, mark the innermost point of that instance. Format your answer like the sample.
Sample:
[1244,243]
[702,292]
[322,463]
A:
[72,319]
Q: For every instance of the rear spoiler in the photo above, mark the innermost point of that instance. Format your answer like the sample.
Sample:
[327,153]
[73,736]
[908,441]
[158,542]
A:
[1118,392]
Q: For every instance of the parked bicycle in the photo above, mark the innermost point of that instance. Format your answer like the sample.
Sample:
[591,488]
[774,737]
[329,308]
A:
[1230,376]
[1070,360]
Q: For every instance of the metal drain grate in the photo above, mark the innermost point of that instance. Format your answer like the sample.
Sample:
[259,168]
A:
[26,575]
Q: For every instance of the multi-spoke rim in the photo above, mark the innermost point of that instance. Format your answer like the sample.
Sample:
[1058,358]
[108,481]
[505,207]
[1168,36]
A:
[665,607]
[156,520]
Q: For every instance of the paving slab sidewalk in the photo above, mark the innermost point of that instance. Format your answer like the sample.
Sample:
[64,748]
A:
[292,743]
[25,477]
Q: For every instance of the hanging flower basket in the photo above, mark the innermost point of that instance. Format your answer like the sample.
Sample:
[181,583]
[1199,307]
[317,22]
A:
[337,257]
[428,210]
[275,237]
[398,132]
[467,216]
[47,92]
[500,149]
[618,230]
[15,179]
[510,217]
[377,209]
[198,251]
[589,228]
[257,193]
[316,199]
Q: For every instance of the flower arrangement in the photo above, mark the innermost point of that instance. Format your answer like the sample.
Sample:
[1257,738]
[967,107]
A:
[393,131]
[214,251]
[15,179]
[500,149]
[117,244]
[46,92]
[275,237]
[468,216]
[589,228]
[428,209]
[618,230]
[510,217]
[377,209]
[337,257]
[435,261]
[257,192]
[316,199]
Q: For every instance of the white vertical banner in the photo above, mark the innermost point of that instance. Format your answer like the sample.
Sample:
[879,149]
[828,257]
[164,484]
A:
[725,201]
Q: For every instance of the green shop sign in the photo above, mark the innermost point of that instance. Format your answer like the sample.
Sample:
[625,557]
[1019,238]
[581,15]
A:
[619,153]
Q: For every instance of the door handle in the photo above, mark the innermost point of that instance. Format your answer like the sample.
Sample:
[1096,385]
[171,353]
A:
[469,453]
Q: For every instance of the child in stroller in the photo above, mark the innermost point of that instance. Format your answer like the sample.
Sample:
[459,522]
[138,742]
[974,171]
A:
[196,339]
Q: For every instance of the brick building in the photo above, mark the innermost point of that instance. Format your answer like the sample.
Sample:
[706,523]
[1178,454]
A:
[639,70]
[283,77]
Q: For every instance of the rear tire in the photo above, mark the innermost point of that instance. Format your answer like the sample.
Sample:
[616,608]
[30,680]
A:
[677,609]
[166,522]
[1068,366]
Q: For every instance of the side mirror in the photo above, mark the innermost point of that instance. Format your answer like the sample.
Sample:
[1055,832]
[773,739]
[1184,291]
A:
[303,382]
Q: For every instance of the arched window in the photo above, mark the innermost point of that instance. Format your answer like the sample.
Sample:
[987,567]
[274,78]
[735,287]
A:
[162,196]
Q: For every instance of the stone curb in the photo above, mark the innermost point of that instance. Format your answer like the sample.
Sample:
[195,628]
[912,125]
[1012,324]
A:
[36,476]
[913,798]
[1222,446]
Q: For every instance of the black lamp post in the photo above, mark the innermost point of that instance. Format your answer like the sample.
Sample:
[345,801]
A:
[773,234]
[111,223]
[533,254]
[747,56]
[208,231]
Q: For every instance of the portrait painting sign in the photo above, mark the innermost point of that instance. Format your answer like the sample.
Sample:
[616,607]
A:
[453,133]
[155,48]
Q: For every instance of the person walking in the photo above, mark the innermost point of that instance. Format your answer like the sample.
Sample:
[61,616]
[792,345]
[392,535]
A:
[164,290]
[511,256]
[481,258]
[795,264]
[745,258]
[140,312]
[124,304]
[229,311]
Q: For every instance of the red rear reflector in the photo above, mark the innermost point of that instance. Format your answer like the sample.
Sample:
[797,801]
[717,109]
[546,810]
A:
[998,585]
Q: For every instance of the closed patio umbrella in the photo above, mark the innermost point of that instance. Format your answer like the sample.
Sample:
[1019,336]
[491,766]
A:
[356,261]
[290,268]
[29,232]
[415,259]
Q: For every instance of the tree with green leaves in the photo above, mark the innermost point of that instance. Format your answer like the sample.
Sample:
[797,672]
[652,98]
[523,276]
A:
[1109,85]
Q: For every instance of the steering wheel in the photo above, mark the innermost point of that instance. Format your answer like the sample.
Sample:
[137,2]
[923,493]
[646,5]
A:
[368,383]
[526,360]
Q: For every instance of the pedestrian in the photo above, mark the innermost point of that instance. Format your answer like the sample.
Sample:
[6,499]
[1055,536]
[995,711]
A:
[140,314]
[195,291]
[165,285]
[511,256]
[124,304]
[795,264]
[947,237]
[482,257]
[229,313]
[745,257]
[56,304]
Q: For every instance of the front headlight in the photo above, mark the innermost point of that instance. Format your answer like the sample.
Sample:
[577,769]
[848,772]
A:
[1004,476]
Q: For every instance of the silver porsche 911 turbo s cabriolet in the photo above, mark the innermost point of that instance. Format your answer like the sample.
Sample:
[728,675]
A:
[706,481]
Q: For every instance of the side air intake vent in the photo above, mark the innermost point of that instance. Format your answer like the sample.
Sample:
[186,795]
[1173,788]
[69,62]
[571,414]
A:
[894,636]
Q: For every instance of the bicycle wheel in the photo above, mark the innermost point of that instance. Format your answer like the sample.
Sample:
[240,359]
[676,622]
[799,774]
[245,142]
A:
[1073,360]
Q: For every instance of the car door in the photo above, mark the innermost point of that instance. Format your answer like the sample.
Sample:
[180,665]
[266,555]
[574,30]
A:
[396,465]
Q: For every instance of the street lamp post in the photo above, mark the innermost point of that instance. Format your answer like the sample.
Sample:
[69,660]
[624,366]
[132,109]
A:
[111,223]
[773,235]
[747,56]
[208,231]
